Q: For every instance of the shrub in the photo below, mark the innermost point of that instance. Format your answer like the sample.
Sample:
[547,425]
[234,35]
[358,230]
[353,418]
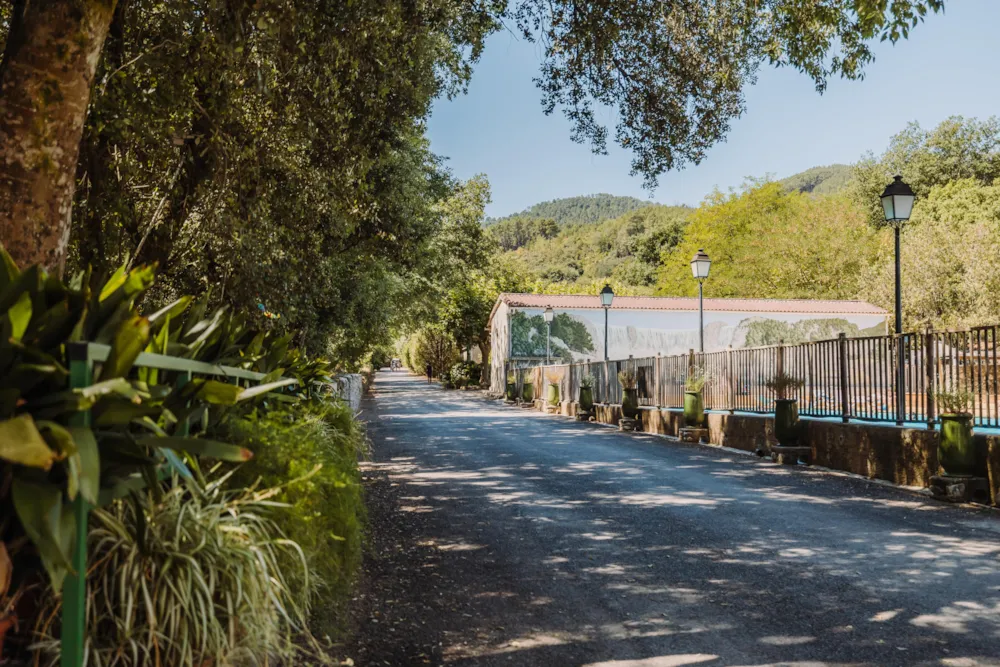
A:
[310,450]
[195,577]
[459,374]
[587,381]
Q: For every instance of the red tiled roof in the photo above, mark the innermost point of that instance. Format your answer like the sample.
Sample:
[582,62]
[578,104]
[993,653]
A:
[567,301]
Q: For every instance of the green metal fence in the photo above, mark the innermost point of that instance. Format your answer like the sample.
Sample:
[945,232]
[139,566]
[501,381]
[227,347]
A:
[83,358]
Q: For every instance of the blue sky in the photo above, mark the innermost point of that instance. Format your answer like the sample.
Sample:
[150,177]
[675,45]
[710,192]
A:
[947,67]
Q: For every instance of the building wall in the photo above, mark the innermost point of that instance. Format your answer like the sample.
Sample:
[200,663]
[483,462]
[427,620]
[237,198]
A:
[579,334]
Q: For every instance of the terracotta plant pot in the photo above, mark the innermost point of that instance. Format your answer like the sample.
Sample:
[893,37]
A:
[957,448]
[694,409]
[552,394]
[587,398]
[786,421]
[527,392]
[630,403]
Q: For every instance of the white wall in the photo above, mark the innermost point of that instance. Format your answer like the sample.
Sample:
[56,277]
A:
[642,333]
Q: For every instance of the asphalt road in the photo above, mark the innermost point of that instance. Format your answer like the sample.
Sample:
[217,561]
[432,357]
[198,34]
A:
[536,540]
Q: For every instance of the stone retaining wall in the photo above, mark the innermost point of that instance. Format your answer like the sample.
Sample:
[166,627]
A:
[904,456]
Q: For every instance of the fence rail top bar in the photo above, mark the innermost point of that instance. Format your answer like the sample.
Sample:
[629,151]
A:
[99,352]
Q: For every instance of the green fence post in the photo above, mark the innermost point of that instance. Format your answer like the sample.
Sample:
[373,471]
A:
[74,613]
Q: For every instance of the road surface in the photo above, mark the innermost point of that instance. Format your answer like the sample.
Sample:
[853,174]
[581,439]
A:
[516,538]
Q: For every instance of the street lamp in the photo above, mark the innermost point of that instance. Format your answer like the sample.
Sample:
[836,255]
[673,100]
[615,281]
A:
[607,296]
[700,265]
[548,333]
[897,204]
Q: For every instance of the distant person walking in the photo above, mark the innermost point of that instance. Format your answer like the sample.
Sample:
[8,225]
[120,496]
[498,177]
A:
[430,372]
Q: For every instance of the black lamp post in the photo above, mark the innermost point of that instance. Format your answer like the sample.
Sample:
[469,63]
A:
[607,296]
[548,334]
[700,266]
[897,204]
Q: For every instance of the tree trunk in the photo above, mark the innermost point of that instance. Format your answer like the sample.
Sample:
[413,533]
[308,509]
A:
[484,353]
[45,79]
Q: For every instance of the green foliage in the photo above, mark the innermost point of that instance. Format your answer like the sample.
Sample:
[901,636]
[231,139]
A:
[585,209]
[830,180]
[194,576]
[766,243]
[518,231]
[951,277]
[957,149]
[626,249]
[696,379]
[309,451]
[434,346]
[675,72]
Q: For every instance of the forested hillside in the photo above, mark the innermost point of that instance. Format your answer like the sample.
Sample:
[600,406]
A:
[584,209]
[817,234]
[820,180]
[625,249]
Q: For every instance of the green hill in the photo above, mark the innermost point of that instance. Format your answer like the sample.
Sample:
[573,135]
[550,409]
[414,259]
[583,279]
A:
[583,209]
[625,249]
[819,180]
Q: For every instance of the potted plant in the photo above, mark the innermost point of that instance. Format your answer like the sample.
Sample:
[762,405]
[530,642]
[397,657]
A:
[527,392]
[630,394]
[587,393]
[511,388]
[786,411]
[552,391]
[694,402]
[956,448]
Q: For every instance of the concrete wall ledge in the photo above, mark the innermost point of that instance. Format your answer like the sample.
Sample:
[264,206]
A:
[903,456]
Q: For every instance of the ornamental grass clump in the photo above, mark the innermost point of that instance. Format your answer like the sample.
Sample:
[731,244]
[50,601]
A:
[782,383]
[196,576]
[627,379]
[317,444]
[957,402]
[696,380]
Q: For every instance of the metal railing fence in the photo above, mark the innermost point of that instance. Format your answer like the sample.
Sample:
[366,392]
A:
[892,378]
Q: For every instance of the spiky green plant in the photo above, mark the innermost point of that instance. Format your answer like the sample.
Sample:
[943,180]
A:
[196,577]
[696,379]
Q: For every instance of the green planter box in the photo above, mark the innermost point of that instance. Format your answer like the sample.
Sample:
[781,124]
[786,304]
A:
[694,409]
[587,398]
[552,394]
[511,391]
[527,392]
[630,403]
[957,448]
[786,421]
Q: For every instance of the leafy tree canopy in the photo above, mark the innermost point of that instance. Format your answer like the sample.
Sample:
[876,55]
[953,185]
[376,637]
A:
[766,243]
[958,148]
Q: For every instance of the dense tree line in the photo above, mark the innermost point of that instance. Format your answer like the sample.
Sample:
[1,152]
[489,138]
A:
[582,209]
[795,238]
[272,153]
